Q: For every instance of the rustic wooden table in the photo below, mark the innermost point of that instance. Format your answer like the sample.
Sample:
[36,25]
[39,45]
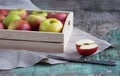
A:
[102,24]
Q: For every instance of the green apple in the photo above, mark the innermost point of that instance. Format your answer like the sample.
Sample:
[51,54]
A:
[34,21]
[51,25]
[9,19]
[40,13]
[21,12]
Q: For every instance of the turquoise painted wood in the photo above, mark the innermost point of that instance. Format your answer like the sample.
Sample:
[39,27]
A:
[79,69]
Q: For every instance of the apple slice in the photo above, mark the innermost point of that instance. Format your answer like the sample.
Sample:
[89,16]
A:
[86,47]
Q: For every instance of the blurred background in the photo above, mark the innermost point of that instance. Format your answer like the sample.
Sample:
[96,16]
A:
[97,17]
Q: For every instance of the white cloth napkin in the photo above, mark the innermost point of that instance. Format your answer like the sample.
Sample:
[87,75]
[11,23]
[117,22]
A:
[10,58]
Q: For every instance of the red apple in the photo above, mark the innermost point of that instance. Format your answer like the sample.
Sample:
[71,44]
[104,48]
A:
[86,47]
[59,16]
[4,12]
[1,26]
[51,15]
[51,25]
[21,12]
[2,17]
[19,25]
[35,21]
[9,18]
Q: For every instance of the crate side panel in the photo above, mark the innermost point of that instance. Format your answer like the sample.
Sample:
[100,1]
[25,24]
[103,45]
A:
[31,35]
[33,46]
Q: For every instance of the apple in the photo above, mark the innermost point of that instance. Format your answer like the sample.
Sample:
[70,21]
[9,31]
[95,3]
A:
[86,47]
[1,26]
[51,15]
[4,12]
[21,12]
[40,13]
[2,17]
[60,16]
[9,18]
[51,25]
[19,24]
[34,21]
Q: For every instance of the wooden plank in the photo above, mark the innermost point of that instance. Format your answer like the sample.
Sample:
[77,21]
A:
[33,46]
[31,35]
[68,28]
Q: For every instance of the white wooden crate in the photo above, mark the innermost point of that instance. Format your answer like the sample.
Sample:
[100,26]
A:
[38,41]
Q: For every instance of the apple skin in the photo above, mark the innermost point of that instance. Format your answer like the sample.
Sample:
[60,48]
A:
[35,21]
[40,13]
[2,17]
[19,25]
[21,12]
[9,18]
[51,25]
[91,48]
[1,26]
[59,16]
[4,12]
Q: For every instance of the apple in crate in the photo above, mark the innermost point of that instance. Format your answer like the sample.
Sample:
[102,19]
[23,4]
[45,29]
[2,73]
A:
[60,16]
[19,25]
[34,21]
[40,13]
[1,26]
[86,47]
[2,17]
[4,12]
[51,25]
[21,12]
[9,18]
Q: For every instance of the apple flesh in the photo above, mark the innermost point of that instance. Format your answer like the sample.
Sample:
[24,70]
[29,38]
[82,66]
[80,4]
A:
[1,26]
[34,21]
[9,19]
[59,16]
[51,25]
[21,12]
[86,47]
[40,13]
[4,12]
[19,25]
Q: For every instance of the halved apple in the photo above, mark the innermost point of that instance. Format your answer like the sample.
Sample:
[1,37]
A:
[86,47]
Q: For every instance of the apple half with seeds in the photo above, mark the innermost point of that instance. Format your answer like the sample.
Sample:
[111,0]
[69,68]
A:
[86,47]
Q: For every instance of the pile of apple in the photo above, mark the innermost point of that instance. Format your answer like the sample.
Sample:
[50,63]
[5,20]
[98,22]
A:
[37,20]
